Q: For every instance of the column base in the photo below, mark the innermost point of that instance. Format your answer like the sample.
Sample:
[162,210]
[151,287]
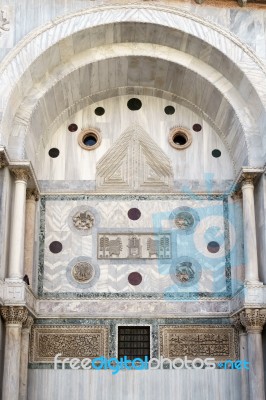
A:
[253,283]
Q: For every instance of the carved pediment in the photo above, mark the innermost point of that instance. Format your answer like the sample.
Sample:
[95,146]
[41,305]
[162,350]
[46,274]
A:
[134,163]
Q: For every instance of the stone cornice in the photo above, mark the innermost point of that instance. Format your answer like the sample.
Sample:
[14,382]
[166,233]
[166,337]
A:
[19,294]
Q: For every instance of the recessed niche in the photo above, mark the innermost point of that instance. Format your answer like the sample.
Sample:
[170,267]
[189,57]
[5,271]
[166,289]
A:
[89,139]
[169,110]
[55,247]
[134,214]
[99,111]
[197,127]
[216,153]
[134,278]
[73,127]
[180,138]
[53,153]
[213,247]
[134,104]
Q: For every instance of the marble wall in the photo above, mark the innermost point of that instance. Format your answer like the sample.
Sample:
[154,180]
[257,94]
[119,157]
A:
[206,173]
[133,385]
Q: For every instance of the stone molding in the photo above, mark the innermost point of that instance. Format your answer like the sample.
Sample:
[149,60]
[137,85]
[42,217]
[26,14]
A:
[253,319]
[14,315]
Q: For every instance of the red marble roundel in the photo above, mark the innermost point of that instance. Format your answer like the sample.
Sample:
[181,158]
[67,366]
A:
[134,214]
[134,278]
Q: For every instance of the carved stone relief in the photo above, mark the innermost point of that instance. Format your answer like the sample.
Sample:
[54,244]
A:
[82,272]
[137,245]
[70,341]
[185,271]
[135,162]
[218,342]
[82,219]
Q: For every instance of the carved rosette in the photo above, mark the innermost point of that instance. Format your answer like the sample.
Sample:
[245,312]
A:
[253,319]
[28,324]
[32,194]
[21,174]
[14,315]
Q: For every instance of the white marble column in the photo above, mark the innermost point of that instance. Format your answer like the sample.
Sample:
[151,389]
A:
[253,320]
[24,358]
[243,345]
[250,242]
[14,317]
[32,197]
[16,249]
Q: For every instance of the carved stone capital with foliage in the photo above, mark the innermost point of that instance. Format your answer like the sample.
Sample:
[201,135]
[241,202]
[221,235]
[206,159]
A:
[28,323]
[3,160]
[32,194]
[14,314]
[21,174]
[253,319]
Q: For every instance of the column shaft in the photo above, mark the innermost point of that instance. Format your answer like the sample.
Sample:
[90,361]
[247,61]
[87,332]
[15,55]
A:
[24,358]
[16,253]
[243,344]
[250,242]
[14,317]
[32,197]
[256,368]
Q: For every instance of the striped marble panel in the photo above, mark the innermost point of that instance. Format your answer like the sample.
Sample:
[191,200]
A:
[134,385]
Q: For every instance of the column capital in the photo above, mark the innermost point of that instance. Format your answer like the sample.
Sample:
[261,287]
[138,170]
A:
[236,322]
[3,160]
[253,319]
[14,314]
[32,194]
[21,174]
[26,325]
[248,179]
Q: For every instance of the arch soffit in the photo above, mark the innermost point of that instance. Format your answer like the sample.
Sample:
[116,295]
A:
[43,38]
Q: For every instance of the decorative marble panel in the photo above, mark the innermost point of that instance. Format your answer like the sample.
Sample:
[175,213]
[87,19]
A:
[218,342]
[134,246]
[214,222]
[69,340]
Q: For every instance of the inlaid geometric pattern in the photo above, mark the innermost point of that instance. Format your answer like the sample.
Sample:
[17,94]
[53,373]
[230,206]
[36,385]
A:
[217,342]
[134,162]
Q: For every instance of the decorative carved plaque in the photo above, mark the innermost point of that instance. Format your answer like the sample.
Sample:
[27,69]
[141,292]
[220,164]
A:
[217,342]
[83,220]
[69,340]
[83,272]
[134,246]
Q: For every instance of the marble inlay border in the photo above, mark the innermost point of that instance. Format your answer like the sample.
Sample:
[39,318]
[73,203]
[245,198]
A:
[136,295]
